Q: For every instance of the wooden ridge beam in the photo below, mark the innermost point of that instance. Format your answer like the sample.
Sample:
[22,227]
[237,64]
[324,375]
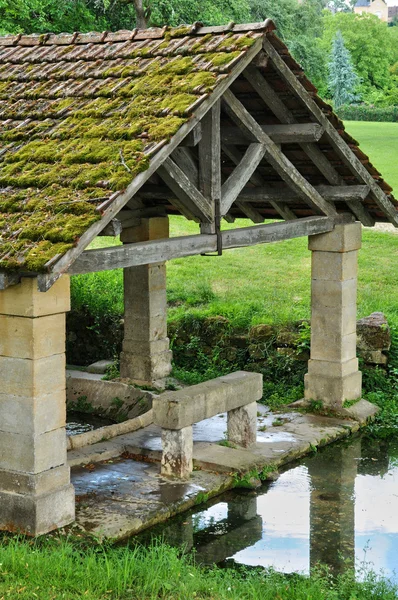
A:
[282,165]
[280,134]
[336,141]
[273,101]
[130,255]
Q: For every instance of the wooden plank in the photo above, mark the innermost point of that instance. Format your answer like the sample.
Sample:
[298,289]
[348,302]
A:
[209,151]
[339,145]
[8,279]
[329,192]
[240,176]
[184,159]
[284,211]
[286,169]
[67,259]
[250,212]
[129,255]
[113,229]
[190,197]
[280,134]
[271,98]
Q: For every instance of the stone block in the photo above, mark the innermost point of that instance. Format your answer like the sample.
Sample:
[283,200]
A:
[175,410]
[340,320]
[22,337]
[374,357]
[343,238]
[333,391]
[333,294]
[177,448]
[326,368]
[21,376]
[242,425]
[144,369]
[32,453]
[374,333]
[32,415]
[333,346]
[334,266]
[25,300]
[153,228]
[145,278]
[36,484]
[37,515]
[147,328]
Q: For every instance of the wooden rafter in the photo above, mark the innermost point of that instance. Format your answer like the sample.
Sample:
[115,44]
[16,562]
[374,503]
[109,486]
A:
[241,175]
[284,211]
[129,255]
[336,141]
[282,165]
[191,202]
[271,98]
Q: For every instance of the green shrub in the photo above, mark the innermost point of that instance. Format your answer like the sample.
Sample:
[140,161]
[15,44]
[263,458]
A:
[367,112]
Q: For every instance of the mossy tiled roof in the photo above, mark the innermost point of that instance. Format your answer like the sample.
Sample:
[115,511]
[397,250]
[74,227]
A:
[82,114]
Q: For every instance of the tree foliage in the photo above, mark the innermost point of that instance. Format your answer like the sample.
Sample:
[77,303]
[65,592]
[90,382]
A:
[342,81]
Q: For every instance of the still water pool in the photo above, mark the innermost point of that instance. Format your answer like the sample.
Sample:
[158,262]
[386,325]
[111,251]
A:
[339,507]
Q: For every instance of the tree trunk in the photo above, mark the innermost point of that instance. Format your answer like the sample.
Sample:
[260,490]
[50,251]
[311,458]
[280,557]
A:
[140,12]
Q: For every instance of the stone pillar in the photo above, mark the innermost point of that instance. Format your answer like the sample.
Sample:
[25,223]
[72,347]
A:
[177,450]
[35,491]
[333,375]
[146,357]
[242,425]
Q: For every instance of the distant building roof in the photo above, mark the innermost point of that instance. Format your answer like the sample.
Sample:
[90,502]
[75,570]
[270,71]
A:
[363,3]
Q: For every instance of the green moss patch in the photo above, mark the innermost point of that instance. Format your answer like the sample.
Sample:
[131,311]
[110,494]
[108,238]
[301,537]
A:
[72,137]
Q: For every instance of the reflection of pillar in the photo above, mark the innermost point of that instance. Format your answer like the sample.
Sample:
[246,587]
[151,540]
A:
[243,507]
[180,534]
[332,507]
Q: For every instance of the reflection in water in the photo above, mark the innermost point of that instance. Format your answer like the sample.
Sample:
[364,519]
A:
[332,508]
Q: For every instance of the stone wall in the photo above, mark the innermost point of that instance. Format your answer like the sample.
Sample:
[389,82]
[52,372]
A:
[88,341]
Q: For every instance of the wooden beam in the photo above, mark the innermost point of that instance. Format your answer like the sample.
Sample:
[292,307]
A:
[184,159]
[284,211]
[280,134]
[250,212]
[209,151]
[129,255]
[240,176]
[271,98]
[8,279]
[192,202]
[286,169]
[122,198]
[113,229]
[193,138]
[283,193]
[336,141]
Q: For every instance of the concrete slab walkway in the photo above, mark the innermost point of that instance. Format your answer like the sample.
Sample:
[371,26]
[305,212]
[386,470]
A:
[119,489]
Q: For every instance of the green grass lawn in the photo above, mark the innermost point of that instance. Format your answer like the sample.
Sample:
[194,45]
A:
[270,282]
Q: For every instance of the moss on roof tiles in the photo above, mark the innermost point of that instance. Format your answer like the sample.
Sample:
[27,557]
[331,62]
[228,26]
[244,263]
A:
[76,125]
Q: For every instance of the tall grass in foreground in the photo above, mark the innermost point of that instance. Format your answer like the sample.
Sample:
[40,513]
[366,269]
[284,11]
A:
[51,569]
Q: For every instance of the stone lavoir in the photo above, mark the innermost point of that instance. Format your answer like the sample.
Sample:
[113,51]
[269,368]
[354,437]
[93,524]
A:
[110,133]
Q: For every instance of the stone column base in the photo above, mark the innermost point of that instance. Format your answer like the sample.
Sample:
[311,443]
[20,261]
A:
[333,390]
[37,514]
[146,363]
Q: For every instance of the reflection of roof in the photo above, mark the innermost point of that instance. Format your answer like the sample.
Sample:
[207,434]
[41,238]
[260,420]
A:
[87,119]
[362,3]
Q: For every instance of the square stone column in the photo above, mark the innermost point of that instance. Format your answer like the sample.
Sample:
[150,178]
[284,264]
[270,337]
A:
[35,491]
[146,357]
[333,375]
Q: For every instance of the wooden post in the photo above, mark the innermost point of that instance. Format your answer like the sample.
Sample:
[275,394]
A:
[35,491]
[146,357]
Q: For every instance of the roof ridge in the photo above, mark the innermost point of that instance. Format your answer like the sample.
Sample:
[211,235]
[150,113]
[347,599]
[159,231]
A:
[152,33]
